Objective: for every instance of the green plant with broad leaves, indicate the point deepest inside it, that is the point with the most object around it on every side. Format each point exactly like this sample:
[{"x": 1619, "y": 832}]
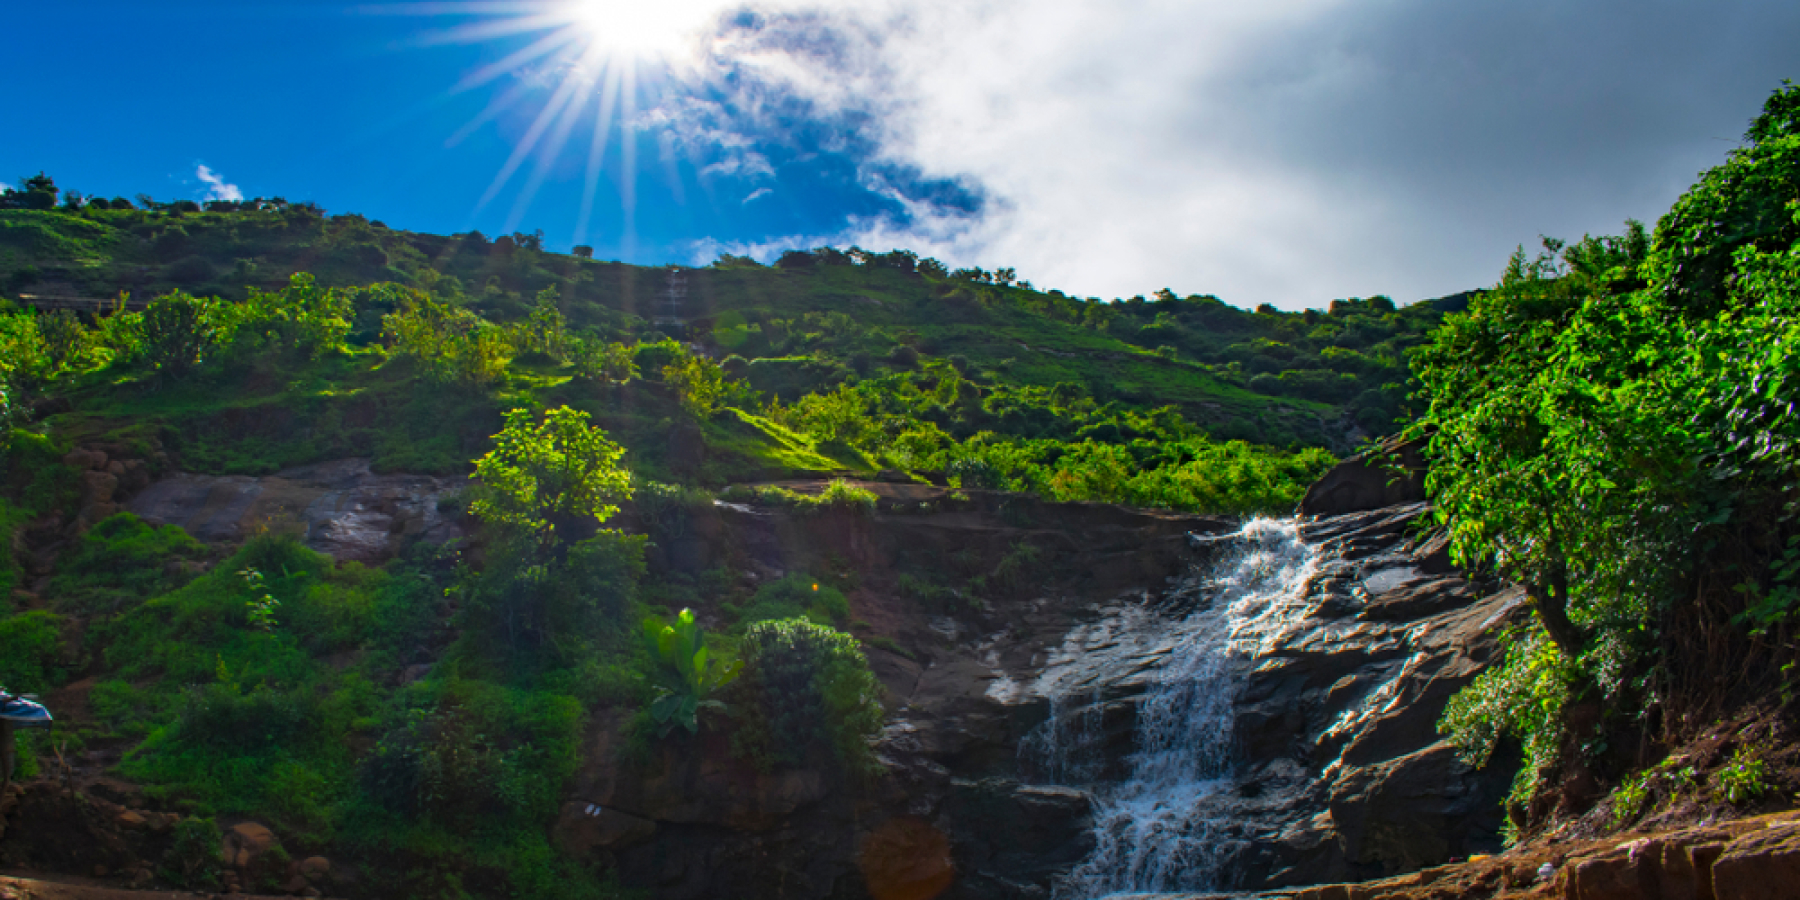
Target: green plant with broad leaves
[{"x": 686, "y": 672}]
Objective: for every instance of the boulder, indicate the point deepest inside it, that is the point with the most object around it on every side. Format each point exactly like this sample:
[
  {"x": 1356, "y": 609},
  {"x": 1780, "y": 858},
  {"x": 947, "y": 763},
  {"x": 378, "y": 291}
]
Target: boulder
[
  {"x": 1390, "y": 475},
  {"x": 343, "y": 508},
  {"x": 245, "y": 843}
]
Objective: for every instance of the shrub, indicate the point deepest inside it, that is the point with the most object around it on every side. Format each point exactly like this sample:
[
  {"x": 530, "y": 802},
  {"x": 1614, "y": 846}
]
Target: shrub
[
  {"x": 449, "y": 343},
  {"x": 810, "y": 696},
  {"x": 192, "y": 859},
  {"x": 180, "y": 332},
  {"x": 30, "y": 648}
]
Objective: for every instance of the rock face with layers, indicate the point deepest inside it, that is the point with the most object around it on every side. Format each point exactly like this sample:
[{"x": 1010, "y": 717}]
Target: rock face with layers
[{"x": 344, "y": 509}]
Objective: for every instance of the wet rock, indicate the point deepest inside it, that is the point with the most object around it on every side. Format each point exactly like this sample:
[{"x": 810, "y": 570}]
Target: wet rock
[{"x": 342, "y": 508}]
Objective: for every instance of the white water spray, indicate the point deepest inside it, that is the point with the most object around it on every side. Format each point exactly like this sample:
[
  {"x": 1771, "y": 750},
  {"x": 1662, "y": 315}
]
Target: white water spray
[{"x": 1153, "y": 831}]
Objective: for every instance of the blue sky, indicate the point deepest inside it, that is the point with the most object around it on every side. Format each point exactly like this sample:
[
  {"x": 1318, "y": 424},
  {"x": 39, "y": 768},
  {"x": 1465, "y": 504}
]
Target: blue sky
[{"x": 1288, "y": 152}]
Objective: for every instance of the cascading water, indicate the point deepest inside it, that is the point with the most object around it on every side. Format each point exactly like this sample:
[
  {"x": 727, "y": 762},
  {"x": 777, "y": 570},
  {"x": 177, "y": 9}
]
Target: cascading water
[{"x": 1153, "y": 830}]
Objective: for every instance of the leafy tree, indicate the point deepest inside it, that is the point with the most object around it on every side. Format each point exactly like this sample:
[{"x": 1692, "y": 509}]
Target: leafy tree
[
  {"x": 703, "y": 384},
  {"x": 37, "y": 192},
  {"x": 179, "y": 332},
  {"x": 450, "y": 343},
  {"x": 555, "y": 471},
  {"x": 1613, "y": 428}
]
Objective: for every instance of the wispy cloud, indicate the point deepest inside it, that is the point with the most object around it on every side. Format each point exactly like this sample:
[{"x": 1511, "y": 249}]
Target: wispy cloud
[
  {"x": 217, "y": 188},
  {"x": 758, "y": 194}
]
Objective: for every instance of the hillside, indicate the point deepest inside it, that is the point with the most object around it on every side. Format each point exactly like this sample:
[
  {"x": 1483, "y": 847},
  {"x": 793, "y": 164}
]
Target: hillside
[{"x": 814, "y": 321}]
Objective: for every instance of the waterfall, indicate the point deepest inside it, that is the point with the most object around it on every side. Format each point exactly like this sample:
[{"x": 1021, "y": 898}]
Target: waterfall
[{"x": 1154, "y": 830}]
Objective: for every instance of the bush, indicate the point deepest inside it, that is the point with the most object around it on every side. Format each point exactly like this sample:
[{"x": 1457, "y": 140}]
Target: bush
[
  {"x": 192, "y": 859},
  {"x": 809, "y": 697},
  {"x": 30, "y": 649}
]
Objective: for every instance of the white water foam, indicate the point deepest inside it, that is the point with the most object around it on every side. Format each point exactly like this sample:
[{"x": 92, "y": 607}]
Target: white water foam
[{"x": 1153, "y": 831}]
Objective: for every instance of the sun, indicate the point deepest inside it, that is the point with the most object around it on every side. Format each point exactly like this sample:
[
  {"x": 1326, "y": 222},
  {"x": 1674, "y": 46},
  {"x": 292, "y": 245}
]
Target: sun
[{"x": 665, "y": 29}]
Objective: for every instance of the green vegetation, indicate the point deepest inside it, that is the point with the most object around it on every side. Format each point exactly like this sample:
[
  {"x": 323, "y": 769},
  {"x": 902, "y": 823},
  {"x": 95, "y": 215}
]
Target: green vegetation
[
  {"x": 1613, "y": 428},
  {"x": 809, "y": 697},
  {"x": 688, "y": 673},
  {"x": 1744, "y": 779}
]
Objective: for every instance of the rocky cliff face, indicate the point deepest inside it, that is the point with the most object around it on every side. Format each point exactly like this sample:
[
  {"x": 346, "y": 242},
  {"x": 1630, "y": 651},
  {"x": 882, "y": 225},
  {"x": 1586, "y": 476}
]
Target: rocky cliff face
[{"x": 1338, "y": 772}]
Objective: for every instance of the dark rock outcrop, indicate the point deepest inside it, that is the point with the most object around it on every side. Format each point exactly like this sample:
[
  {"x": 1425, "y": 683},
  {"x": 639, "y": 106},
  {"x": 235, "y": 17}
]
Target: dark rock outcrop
[{"x": 1389, "y": 475}]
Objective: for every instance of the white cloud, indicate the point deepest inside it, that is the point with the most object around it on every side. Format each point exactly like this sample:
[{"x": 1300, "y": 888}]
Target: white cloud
[
  {"x": 1290, "y": 151},
  {"x": 758, "y": 194},
  {"x": 217, "y": 188},
  {"x": 705, "y": 250}
]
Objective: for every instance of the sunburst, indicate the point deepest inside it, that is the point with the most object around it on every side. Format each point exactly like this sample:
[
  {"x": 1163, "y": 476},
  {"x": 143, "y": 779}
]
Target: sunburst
[{"x": 577, "y": 57}]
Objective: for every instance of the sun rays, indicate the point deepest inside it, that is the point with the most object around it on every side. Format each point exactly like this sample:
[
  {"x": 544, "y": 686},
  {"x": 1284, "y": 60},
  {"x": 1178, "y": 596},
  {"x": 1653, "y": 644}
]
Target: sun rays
[{"x": 579, "y": 63}]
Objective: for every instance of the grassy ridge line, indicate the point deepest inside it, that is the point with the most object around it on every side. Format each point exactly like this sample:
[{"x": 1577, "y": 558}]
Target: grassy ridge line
[{"x": 1312, "y": 379}]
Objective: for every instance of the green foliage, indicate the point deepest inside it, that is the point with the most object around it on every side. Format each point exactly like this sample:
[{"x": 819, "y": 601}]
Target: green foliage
[
  {"x": 839, "y": 494},
  {"x": 795, "y": 596},
  {"x": 1742, "y": 780},
  {"x": 808, "y": 695},
  {"x": 1524, "y": 696},
  {"x": 260, "y": 608},
  {"x": 686, "y": 672},
  {"x": 31, "y": 651},
  {"x": 304, "y": 316},
  {"x": 1613, "y": 428},
  {"x": 703, "y": 385},
  {"x": 122, "y": 560},
  {"x": 541, "y": 473},
  {"x": 535, "y": 604},
  {"x": 180, "y": 332},
  {"x": 475, "y": 758},
  {"x": 448, "y": 343}
]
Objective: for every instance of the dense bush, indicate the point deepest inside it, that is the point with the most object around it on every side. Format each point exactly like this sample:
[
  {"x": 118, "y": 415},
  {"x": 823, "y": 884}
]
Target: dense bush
[{"x": 808, "y": 697}]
